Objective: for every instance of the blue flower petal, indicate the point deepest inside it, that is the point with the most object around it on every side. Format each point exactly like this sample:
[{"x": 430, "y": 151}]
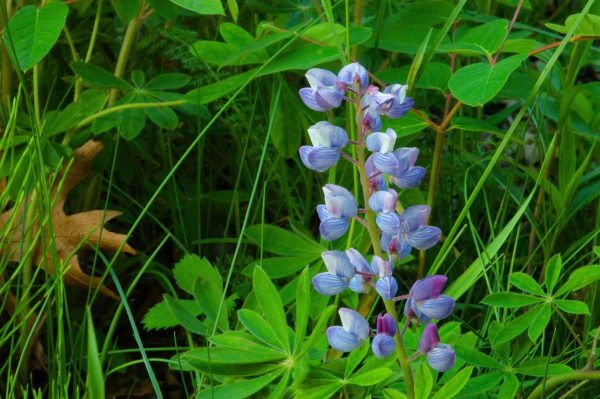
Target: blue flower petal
[
  {"x": 308, "y": 96},
  {"x": 354, "y": 322},
  {"x": 383, "y": 345},
  {"x": 389, "y": 223},
  {"x": 329, "y": 284},
  {"x": 441, "y": 358},
  {"x": 437, "y": 308},
  {"x": 358, "y": 261},
  {"x": 333, "y": 228},
  {"x": 414, "y": 217},
  {"x": 322, "y": 212},
  {"x": 400, "y": 108},
  {"x": 429, "y": 287},
  {"x": 384, "y": 201},
  {"x": 338, "y": 264},
  {"x": 329, "y": 97},
  {"x": 429, "y": 339},
  {"x": 354, "y": 72},
  {"x": 386, "y": 324},
  {"x": 320, "y": 77},
  {"x": 386, "y": 163},
  {"x": 387, "y": 287},
  {"x": 357, "y": 284},
  {"x": 342, "y": 340},
  {"x": 424, "y": 237},
  {"x": 318, "y": 158},
  {"x": 409, "y": 179}
]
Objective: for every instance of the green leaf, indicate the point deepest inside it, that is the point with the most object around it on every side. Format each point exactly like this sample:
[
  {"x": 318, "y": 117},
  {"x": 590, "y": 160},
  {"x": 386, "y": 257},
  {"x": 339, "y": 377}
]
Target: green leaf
[
  {"x": 281, "y": 266},
  {"x": 163, "y": 117},
  {"x": 510, "y": 300},
  {"x": 233, "y": 9},
  {"x": 477, "y": 84},
  {"x": 259, "y": 327},
  {"x": 287, "y": 124},
  {"x": 371, "y": 377},
  {"x": 95, "y": 379},
  {"x": 318, "y": 329},
  {"x": 580, "y": 278},
  {"x": 243, "y": 341},
  {"x": 473, "y": 125},
  {"x": 515, "y": 327},
  {"x": 126, "y": 10},
  {"x": 302, "y": 309},
  {"x": 508, "y": 390},
  {"x": 354, "y": 359},
  {"x": 526, "y": 283},
  {"x": 552, "y": 272},
  {"x": 475, "y": 357},
  {"x": 190, "y": 267},
  {"x": 407, "y": 125},
  {"x": 453, "y": 386},
  {"x": 32, "y": 32},
  {"x": 98, "y": 77},
  {"x": 389, "y": 393},
  {"x": 589, "y": 26},
  {"x": 206, "y": 7},
  {"x": 423, "y": 381},
  {"x": 168, "y": 81},
  {"x": 281, "y": 241},
  {"x": 539, "y": 322},
  {"x": 485, "y": 38},
  {"x": 161, "y": 316},
  {"x": 571, "y": 306},
  {"x": 539, "y": 367},
  {"x": 238, "y": 389},
  {"x": 482, "y": 383},
  {"x": 227, "y": 361},
  {"x": 130, "y": 123},
  {"x": 270, "y": 304},
  {"x": 185, "y": 318}
]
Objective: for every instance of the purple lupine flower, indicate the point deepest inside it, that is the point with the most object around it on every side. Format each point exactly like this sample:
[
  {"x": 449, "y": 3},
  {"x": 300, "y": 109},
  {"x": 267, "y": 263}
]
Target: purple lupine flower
[
  {"x": 386, "y": 285},
  {"x": 400, "y": 166},
  {"x": 352, "y": 73},
  {"x": 413, "y": 232},
  {"x": 425, "y": 301},
  {"x": 348, "y": 337},
  {"x": 383, "y": 344},
  {"x": 382, "y": 142},
  {"x": 340, "y": 206},
  {"x": 440, "y": 357},
  {"x": 364, "y": 271},
  {"x": 327, "y": 144},
  {"x": 400, "y": 103},
  {"x": 384, "y": 203},
  {"x": 338, "y": 275},
  {"x": 376, "y": 179},
  {"x": 324, "y": 92}
]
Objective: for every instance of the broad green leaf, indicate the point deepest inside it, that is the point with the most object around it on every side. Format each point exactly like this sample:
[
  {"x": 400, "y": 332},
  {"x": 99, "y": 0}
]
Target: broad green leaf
[
  {"x": 185, "y": 318},
  {"x": 168, "y": 81},
  {"x": 526, "y": 283},
  {"x": 405, "y": 37},
  {"x": 227, "y": 361},
  {"x": 259, "y": 327},
  {"x": 94, "y": 383},
  {"x": 423, "y": 381},
  {"x": 552, "y": 272},
  {"x": 589, "y": 26},
  {"x": 407, "y": 125},
  {"x": 520, "y": 45},
  {"x": 539, "y": 322},
  {"x": 243, "y": 341},
  {"x": 572, "y": 306},
  {"x": 539, "y": 367},
  {"x": 130, "y": 123},
  {"x": 482, "y": 383},
  {"x": 475, "y": 357},
  {"x": 98, "y": 77},
  {"x": 288, "y": 121},
  {"x": 281, "y": 266},
  {"x": 453, "y": 386},
  {"x": 354, "y": 359},
  {"x": 485, "y": 38},
  {"x": 580, "y": 278},
  {"x": 476, "y": 84},
  {"x": 371, "y": 377},
  {"x": 434, "y": 75},
  {"x": 32, "y": 32},
  {"x": 508, "y": 390},
  {"x": 270, "y": 304},
  {"x": 206, "y": 7},
  {"x": 435, "y": 12},
  {"x": 163, "y": 117},
  {"x": 302, "y": 308},
  {"x": 238, "y": 389},
  {"x": 516, "y": 326},
  {"x": 161, "y": 316},
  {"x": 281, "y": 241},
  {"x": 510, "y": 300}
]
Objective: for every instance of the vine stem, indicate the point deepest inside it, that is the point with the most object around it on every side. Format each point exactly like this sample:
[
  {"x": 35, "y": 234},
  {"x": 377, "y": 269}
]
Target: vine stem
[{"x": 369, "y": 298}]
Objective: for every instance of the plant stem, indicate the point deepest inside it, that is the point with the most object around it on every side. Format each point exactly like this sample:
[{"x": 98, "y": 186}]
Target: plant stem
[
  {"x": 128, "y": 40},
  {"x": 578, "y": 375},
  {"x": 401, "y": 353}
]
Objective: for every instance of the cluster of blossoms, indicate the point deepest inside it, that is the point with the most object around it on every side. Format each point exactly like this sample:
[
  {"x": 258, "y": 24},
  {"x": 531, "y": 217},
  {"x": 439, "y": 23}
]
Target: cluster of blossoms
[{"x": 399, "y": 230}]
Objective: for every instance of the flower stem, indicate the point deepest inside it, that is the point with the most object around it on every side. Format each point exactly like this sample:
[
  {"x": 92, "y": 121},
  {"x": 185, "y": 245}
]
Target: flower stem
[{"x": 401, "y": 353}]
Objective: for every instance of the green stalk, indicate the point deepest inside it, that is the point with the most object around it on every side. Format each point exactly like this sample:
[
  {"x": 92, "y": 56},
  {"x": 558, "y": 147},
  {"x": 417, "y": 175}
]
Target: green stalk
[{"x": 547, "y": 385}]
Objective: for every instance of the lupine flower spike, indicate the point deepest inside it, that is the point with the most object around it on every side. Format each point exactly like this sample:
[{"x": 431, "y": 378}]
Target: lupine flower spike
[{"x": 425, "y": 301}]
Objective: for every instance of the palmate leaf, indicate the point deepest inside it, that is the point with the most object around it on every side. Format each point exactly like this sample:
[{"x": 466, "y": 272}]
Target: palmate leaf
[
  {"x": 510, "y": 300},
  {"x": 269, "y": 302},
  {"x": 526, "y": 283},
  {"x": 451, "y": 388},
  {"x": 423, "y": 381},
  {"x": 539, "y": 321},
  {"x": 552, "y": 272},
  {"x": 239, "y": 389}
]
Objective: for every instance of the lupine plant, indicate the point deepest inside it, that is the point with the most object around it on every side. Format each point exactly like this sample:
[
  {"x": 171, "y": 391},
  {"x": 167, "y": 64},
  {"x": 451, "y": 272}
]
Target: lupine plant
[{"x": 393, "y": 230}]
